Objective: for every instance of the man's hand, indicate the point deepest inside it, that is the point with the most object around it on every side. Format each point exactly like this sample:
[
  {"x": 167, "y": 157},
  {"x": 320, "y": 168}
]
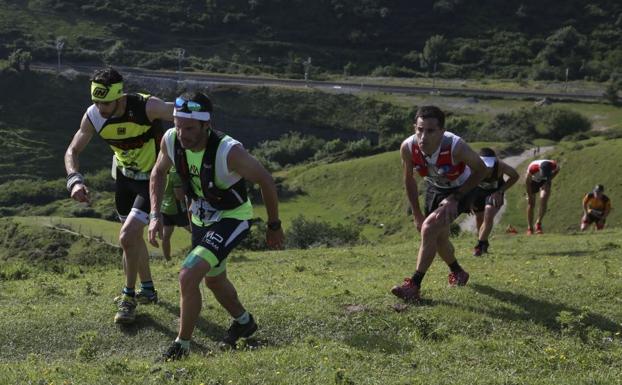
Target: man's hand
[
  {"x": 447, "y": 210},
  {"x": 80, "y": 193},
  {"x": 496, "y": 199},
  {"x": 274, "y": 238},
  {"x": 155, "y": 228}
]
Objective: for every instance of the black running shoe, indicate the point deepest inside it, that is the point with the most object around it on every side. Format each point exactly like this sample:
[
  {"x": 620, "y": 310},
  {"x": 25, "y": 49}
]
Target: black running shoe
[
  {"x": 175, "y": 352},
  {"x": 237, "y": 331}
]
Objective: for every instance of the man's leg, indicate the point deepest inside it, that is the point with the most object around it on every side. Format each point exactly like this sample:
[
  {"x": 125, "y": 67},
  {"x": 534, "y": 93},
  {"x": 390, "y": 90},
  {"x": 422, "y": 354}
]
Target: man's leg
[
  {"x": 457, "y": 276},
  {"x": 489, "y": 220},
  {"x": 190, "y": 301},
  {"x": 135, "y": 255},
  {"x": 479, "y": 221},
  {"x": 430, "y": 231},
  {"x": 584, "y": 222},
  {"x": 545, "y": 193},
  {"x": 531, "y": 201},
  {"x": 600, "y": 224},
  {"x": 225, "y": 294}
]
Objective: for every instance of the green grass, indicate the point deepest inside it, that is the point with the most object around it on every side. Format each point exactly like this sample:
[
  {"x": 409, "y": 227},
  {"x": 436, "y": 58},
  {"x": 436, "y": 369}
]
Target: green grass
[{"x": 538, "y": 310}]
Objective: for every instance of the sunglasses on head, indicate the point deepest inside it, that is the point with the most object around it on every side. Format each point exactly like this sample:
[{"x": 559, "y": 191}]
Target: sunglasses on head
[{"x": 182, "y": 104}]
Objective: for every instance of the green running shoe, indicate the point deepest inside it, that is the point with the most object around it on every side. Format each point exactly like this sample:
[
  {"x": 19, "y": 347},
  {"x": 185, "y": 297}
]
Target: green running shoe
[
  {"x": 127, "y": 310},
  {"x": 146, "y": 297}
]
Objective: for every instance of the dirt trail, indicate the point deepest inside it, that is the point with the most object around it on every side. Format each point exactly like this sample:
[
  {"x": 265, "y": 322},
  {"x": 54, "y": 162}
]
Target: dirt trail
[{"x": 468, "y": 223}]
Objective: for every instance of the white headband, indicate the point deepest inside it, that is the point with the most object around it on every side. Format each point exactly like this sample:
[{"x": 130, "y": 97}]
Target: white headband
[
  {"x": 489, "y": 161},
  {"x": 198, "y": 115}
]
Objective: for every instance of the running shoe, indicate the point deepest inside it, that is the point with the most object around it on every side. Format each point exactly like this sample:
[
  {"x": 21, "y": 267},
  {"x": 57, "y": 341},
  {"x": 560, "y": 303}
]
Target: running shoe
[
  {"x": 478, "y": 251},
  {"x": 407, "y": 291},
  {"x": 175, "y": 352},
  {"x": 238, "y": 330},
  {"x": 127, "y": 310},
  {"x": 458, "y": 279},
  {"x": 146, "y": 297},
  {"x": 539, "y": 228}
]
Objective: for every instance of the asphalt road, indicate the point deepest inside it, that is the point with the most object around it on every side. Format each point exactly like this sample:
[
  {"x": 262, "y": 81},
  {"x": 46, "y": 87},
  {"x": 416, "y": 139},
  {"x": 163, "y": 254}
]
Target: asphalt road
[{"x": 330, "y": 85}]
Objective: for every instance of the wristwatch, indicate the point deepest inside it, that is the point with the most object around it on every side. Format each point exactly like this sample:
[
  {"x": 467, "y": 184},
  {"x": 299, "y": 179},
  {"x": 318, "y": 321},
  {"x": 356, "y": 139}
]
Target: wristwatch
[{"x": 274, "y": 225}]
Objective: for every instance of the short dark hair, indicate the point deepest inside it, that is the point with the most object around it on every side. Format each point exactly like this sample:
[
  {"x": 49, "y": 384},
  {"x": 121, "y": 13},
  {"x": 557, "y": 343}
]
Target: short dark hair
[
  {"x": 107, "y": 76},
  {"x": 487, "y": 151},
  {"x": 547, "y": 168},
  {"x": 599, "y": 188},
  {"x": 427, "y": 112},
  {"x": 201, "y": 98}
]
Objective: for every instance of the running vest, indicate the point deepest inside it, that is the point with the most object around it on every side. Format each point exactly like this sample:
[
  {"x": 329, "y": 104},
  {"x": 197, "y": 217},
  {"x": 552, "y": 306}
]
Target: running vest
[
  {"x": 534, "y": 169},
  {"x": 220, "y": 199},
  {"x": 494, "y": 181},
  {"x": 443, "y": 172},
  {"x": 595, "y": 206},
  {"x": 134, "y": 139}
]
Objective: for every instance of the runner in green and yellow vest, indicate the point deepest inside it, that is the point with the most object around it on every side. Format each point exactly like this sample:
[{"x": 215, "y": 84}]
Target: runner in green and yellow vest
[
  {"x": 213, "y": 168},
  {"x": 131, "y": 125}
]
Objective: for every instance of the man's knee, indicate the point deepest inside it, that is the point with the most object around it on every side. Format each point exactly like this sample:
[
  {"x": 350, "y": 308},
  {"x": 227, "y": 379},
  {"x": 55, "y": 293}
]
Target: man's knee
[
  {"x": 188, "y": 281},
  {"x": 129, "y": 237}
]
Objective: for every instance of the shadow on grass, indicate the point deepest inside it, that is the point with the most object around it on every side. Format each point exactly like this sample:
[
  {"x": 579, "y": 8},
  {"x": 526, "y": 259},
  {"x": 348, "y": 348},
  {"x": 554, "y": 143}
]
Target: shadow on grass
[
  {"x": 213, "y": 331},
  {"x": 146, "y": 321},
  {"x": 537, "y": 310}
]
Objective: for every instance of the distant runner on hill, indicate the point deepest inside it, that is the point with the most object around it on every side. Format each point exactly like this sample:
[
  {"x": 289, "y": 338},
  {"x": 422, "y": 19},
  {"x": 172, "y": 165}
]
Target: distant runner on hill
[
  {"x": 538, "y": 178},
  {"x": 596, "y": 208},
  {"x": 489, "y": 195},
  {"x": 130, "y": 124},
  {"x": 451, "y": 170}
]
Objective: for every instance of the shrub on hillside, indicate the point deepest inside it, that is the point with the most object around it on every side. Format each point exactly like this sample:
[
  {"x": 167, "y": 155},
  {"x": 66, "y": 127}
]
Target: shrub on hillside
[
  {"x": 305, "y": 233},
  {"x": 291, "y": 148},
  {"x": 555, "y": 123},
  {"x": 35, "y": 192}
]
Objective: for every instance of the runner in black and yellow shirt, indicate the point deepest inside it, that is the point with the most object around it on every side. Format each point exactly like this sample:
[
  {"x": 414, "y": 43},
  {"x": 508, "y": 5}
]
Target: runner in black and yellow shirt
[
  {"x": 596, "y": 208},
  {"x": 130, "y": 124}
]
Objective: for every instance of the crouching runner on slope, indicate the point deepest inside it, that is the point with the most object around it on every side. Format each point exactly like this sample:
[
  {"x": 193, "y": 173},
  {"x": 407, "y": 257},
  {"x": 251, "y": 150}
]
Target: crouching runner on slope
[
  {"x": 213, "y": 169},
  {"x": 451, "y": 170}
]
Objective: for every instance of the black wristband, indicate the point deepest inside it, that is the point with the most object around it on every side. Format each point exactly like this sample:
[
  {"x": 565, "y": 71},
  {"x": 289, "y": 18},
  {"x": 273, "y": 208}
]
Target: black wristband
[
  {"x": 73, "y": 179},
  {"x": 274, "y": 225}
]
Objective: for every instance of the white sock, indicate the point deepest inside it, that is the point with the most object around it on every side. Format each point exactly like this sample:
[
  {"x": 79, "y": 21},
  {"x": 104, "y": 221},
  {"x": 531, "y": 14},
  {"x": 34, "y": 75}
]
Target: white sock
[
  {"x": 184, "y": 343},
  {"x": 244, "y": 318}
]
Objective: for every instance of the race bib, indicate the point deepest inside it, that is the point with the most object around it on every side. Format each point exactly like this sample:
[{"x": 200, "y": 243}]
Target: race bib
[{"x": 202, "y": 210}]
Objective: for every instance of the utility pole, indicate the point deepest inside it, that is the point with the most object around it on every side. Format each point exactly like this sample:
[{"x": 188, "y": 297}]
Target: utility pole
[
  {"x": 180, "y": 56},
  {"x": 566, "y": 83},
  {"x": 434, "y": 78},
  {"x": 60, "y": 43},
  {"x": 307, "y": 66}
]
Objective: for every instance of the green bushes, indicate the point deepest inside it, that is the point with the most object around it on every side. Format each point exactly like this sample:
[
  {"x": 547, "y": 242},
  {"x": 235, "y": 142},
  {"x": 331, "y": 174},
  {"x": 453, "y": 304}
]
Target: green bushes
[
  {"x": 305, "y": 233},
  {"x": 539, "y": 122}
]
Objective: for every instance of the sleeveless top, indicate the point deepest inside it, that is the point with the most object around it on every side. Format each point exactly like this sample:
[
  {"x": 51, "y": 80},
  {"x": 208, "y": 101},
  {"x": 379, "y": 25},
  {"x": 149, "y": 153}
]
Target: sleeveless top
[{"x": 439, "y": 169}]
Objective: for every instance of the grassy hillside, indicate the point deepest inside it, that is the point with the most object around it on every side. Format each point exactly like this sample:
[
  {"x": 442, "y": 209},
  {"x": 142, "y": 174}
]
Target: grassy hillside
[
  {"x": 583, "y": 165},
  {"x": 540, "y": 310}
]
